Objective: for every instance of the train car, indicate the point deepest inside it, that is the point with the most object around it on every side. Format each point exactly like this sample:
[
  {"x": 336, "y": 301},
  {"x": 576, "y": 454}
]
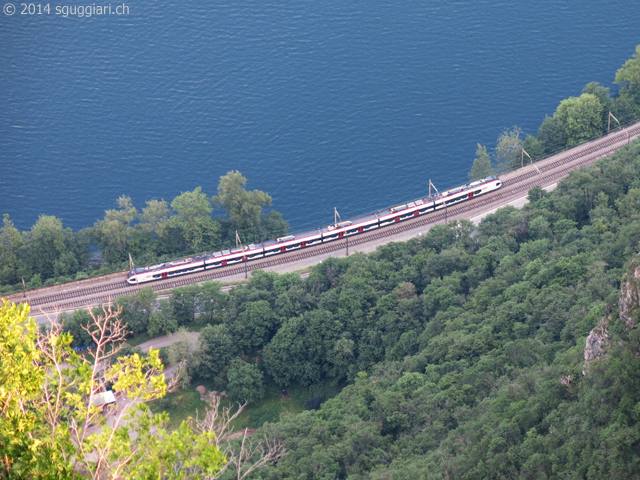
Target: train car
[
  {"x": 234, "y": 255},
  {"x": 347, "y": 228},
  {"x": 166, "y": 270},
  {"x": 296, "y": 241},
  {"x": 436, "y": 202},
  {"x": 309, "y": 238}
]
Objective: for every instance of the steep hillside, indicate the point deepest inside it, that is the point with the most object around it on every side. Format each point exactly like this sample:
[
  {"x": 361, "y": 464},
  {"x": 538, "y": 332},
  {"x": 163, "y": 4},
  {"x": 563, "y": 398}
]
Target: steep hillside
[{"x": 464, "y": 353}]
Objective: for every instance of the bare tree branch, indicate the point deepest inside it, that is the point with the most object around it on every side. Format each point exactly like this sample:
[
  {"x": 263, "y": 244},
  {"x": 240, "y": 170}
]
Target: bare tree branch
[{"x": 250, "y": 455}]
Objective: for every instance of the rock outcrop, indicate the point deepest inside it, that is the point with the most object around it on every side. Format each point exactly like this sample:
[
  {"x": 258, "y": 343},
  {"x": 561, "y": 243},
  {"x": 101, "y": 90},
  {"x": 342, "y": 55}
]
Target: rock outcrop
[
  {"x": 628, "y": 311},
  {"x": 597, "y": 340},
  {"x": 629, "y": 304}
]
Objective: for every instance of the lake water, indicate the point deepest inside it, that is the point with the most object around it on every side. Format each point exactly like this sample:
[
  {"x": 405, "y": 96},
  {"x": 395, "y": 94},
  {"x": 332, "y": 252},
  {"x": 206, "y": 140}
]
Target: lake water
[{"x": 348, "y": 104}]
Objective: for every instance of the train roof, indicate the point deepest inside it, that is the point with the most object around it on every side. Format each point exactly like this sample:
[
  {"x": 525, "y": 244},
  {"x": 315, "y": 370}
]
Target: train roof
[
  {"x": 291, "y": 237},
  {"x": 173, "y": 263}
]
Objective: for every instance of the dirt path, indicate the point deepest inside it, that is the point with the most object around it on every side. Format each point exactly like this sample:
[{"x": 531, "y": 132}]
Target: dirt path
[{"x": 166, "y": 340}]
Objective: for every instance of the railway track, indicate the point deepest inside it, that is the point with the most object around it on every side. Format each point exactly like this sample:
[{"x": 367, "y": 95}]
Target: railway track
[{"x": 515, "y": 185}]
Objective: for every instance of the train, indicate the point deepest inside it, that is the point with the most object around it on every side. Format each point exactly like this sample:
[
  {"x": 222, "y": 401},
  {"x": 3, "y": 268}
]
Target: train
[{"x": 308, "y": 238}]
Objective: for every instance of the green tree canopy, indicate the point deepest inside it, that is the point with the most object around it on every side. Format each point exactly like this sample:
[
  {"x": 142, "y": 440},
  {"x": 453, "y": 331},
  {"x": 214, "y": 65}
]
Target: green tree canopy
[
  {"x": 115, "y": 232},
  {"x": 509, "y": 148},
  {"x": 215, "y": 350},
  {"x": 243, "y": 208},
  {"x": 193, "y": 218},
  {"x": 51, "y": 250},
  {"x": 154, "y": 217},
  {"x": 552, "y": 134},
  {"x": 137, "y": 308},
  {"x": 10, "y": 242},
  {"x": 245, "y": 381},
  {"x": 245, "y": 211},
  {"x": 51, "y": 426},
  {"x": 629, "y": 73},
  {"x": 581, "y": 117},
  {"x": 481, "y": 165},
  {"x": 603, "y": 94}
]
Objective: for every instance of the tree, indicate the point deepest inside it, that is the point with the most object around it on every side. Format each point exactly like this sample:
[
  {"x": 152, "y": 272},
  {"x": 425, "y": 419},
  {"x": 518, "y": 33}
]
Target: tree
[
  {"x": 21, "y": 379},
  {"x": 179, "y": 353},
  {"x": 184, "y": 303},
  {"x": 160, "y": 323},
  {"x": 154, "y": 216},
  {"x": 137, "y": 308},
  {"x": 534, "y": 147},
  {"x": 193, "y": 218},
  {"x": 180, "y": 350},
  {"x": 51, "y": 250},
  {"x": 628, "y": 100},
  {"x": 552, "y": 135},
  {"x": 254, "y": 326},
  {"x": 246, "y": 454},
  {"x": 50, "y": 425},
  {"x": 629, "y": 204},
  {"x": 629, "y": 74},
  {"x": 509, "y": 148},
  {"x": 481, "y": 165},
  {"x": 76, "y": 324},
  {"x": 581, "y": 117},
  {"x": 244, "y": 210},
  {"x": 299, "y": 351},
  {"x": 215, "y": 350},
  {"x": 210, "y": 301},
  {"x": 603, "y": 94},
  {"x": 10, "y": 242},
  {"x": 245, "y": 381},
  {"x": 535, "y": 194},
  {"x": 115, "y": 232}
]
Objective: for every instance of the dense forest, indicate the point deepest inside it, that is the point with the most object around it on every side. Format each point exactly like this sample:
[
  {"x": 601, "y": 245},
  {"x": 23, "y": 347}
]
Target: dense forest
[
  {"x": 466, "y": 350},
  {"x": 459, "y": 354}
]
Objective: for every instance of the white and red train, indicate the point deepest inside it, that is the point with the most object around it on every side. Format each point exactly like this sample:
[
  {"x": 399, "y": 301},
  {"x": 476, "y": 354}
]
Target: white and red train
[{"x": 355, "y": 226}]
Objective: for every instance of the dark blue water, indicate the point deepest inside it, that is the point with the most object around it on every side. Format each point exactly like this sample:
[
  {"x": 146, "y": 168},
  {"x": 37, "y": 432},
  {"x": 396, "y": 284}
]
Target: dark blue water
[{"x": 353, "y": 104}]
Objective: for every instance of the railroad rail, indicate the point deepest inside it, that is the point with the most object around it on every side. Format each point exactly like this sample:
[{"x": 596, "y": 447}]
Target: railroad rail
[{"x": 515, "y": 185}]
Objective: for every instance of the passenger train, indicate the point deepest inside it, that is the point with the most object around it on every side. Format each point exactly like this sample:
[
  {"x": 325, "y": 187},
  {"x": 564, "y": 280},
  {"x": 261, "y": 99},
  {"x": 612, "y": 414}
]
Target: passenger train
[{"x": 335, "y": 231}]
